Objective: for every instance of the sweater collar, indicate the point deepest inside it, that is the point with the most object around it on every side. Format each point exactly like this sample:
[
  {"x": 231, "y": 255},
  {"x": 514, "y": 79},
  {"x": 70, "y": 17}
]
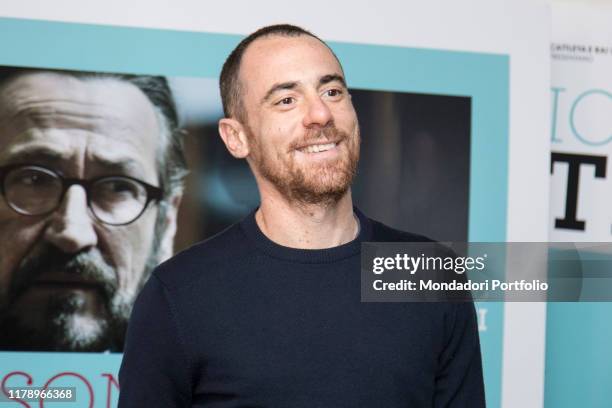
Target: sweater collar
[{"x": 312, "y": 256}]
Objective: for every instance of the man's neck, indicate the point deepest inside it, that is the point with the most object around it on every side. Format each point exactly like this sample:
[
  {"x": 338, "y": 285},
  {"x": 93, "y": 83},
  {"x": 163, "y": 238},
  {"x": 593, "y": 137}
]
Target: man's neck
[{"x": 308, "y": 226}]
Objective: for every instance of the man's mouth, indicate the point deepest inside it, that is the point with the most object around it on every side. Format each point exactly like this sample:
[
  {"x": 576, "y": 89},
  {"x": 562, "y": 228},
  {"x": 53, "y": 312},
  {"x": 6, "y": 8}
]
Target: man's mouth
[
  {"x": 64, "y": 281},
  {"x": 317, "y": 148},
  {"x": 65, "y": 285}
]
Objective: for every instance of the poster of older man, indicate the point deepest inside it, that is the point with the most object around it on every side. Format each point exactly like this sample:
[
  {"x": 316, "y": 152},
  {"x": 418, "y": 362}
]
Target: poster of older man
[{"x": 90, "y": 176}]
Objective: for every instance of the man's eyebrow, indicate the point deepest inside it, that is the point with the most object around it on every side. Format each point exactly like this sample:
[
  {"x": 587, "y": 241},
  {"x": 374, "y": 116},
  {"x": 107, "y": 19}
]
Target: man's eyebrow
[
  {"x": 325, "y": 79},
  {"x": 35, "y": 154},
  {"x": 278, "y": 87},
  {"x": 124, "y": 165},
  {"x": 44, "y": 155}
]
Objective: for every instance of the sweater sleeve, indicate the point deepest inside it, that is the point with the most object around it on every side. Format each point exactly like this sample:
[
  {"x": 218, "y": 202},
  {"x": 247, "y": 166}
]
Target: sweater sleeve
[
  {"x": 459, "y": 381},
  {"x": 154, "y": 370}
]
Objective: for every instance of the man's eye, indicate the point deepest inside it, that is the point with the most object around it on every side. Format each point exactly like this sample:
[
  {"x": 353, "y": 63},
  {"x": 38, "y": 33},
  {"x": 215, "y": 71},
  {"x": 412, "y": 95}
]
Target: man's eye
[
  {"x": 115, "y": 188},
  {"x": 120, "y": 186},
  {"x": 35, "y": 179},
  {"x": 333, "y": 92},
  {"x": 285, "y": 101}
]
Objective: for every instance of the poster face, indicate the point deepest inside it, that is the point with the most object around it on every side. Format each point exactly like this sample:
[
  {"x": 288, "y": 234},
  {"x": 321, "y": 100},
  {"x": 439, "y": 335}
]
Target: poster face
[{"x": 67, "y": 293}]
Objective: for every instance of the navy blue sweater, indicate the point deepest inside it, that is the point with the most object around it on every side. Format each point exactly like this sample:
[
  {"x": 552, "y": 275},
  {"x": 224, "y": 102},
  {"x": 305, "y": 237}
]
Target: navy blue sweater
[{"x": 239, "y": 321}]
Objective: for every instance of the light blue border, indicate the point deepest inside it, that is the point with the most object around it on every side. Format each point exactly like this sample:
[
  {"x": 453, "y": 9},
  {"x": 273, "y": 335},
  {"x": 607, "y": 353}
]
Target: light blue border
[
  {"x": 578, "y": 355},
  {"x": 482, "y": 77}
]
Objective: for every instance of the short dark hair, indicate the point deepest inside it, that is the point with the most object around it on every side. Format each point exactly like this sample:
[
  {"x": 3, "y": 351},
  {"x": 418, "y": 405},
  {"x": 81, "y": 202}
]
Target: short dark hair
[
  {"x": 229, "y": 82},
  {"x": 171, "y": 163}
]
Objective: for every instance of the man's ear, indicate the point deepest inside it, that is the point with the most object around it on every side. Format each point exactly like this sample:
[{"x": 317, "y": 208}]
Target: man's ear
[
  {"x": 166, "y": 243},
  {"x": 234, "y": 136}
]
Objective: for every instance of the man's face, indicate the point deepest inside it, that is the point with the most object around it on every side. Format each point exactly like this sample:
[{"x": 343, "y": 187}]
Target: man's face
[
  {"x": 300, "y": 121},
  {"x": 67, "y": 281}
]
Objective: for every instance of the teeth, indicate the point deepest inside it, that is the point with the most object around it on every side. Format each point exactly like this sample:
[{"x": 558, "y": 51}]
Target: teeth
[{"x": 319, "y": 148}]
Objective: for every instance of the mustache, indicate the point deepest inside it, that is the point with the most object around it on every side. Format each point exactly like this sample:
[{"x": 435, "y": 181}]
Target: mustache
[
  {"x": 329, "y": 132},
  {"x": 87, "y": 267}
]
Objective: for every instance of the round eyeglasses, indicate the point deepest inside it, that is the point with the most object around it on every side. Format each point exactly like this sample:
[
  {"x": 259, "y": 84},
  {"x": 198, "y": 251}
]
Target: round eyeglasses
[{"x": 113, "y": 200}]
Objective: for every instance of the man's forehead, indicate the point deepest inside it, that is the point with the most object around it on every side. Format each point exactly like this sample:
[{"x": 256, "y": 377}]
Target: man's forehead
[
  {"x": 39, "y": 94},
  {"x": 57, "y": 152},
  {"x": 279, "y": 57},
  {"x": 67, "y": 115}
]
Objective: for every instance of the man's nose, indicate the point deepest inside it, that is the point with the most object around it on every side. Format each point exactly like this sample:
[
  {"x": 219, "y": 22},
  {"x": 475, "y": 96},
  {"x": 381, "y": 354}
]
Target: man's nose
[
  {"x": 71, "y": 228},
  {"x": 318, "y": 113}
]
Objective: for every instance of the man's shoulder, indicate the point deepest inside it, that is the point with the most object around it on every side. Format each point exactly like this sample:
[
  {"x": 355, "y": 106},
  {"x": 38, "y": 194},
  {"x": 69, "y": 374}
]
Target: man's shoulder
[
  {"x": 209, "y": 255},
  {"x": 384, "y": 233}
]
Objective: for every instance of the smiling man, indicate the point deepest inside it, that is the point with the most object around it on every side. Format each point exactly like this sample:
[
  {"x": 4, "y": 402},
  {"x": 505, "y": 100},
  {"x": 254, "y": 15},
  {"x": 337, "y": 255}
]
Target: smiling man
[
  {"x": 90, "y": 169},
  {"x": 268, "y": 313}
]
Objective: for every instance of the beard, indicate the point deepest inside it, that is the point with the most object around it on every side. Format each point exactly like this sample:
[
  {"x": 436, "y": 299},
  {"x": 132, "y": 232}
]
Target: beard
[
  {"x": 322, "y": 183},
  {"x": 57, "y": 321}
]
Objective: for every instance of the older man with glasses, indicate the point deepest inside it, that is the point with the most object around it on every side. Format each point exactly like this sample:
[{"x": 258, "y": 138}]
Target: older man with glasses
[{"x": 90, "y": 178}]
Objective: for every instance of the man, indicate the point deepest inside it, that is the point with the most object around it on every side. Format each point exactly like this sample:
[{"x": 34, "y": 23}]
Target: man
[
  {"x": 268, "y": 313},
  {"x": 90, "y": 173}
]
